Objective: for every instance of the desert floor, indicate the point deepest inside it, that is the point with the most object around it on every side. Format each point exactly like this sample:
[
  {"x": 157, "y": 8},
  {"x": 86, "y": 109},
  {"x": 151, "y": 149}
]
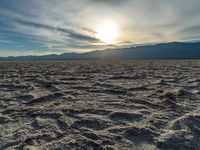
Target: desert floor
[{"x": 136, "y": 105}]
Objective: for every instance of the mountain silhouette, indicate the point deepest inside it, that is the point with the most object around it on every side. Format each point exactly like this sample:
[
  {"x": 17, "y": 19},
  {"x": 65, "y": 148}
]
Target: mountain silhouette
[{"x": 173, "y": 50}]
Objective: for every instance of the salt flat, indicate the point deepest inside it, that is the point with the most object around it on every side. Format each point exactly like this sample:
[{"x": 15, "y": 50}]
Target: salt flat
[{"x": 136, "y": 105}]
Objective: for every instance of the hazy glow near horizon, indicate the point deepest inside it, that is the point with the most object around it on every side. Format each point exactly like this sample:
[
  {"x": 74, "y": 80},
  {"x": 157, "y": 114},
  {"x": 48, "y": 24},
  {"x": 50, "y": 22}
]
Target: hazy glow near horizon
[{"x": 108, "y": 32}]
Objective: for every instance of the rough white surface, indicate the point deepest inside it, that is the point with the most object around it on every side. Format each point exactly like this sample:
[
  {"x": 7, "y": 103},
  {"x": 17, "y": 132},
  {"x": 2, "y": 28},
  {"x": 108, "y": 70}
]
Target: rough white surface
[{"x": 141, "y": 105}]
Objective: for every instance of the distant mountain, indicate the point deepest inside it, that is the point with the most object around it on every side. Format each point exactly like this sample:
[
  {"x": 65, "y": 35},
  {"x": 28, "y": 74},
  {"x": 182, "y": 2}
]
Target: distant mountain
[{"x": 174, "y": 50}]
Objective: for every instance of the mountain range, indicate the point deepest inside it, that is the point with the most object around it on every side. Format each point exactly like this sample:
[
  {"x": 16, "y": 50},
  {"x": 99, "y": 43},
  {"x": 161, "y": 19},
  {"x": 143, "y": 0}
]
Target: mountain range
[{"x": 173, "y": 50}]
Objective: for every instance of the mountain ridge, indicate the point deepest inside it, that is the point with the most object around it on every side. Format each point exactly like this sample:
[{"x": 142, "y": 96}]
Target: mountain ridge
[{"x": 172, "y": 50}]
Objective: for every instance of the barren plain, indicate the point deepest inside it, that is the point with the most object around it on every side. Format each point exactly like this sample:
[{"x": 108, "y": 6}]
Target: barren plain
[{"x": 100, "y": 105}]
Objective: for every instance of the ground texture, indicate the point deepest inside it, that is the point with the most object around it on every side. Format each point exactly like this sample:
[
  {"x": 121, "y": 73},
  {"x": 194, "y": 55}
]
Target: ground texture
[{"x": 100, "y": 105}]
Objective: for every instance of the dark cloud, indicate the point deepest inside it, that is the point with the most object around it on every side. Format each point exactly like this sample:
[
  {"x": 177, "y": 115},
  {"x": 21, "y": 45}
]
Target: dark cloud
[
  {"x": 89, "y": 30},
  {"x": 14, "y": 7},
  {"x": 190, "y": 30},
  {"x": 70, "y": 33},
  {"x": 78, "y": 36},
  {"x": 109, "y": 2}
]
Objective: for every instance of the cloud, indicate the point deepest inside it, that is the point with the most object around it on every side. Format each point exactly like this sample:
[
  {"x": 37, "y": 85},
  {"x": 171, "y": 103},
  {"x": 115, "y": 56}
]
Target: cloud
[
  {"x": 190, "y": 30},
  {"x": 62, "y": 25},
  {"x": 109, "y": 2},
  {"x": 5, "y": 41},
  {"x": 70, "y": 33}
]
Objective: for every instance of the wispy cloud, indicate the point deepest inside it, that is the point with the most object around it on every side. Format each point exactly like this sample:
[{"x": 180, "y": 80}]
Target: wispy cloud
[
  {"x": 5, "y": 41},
  {"x": 63, "y": 26}
]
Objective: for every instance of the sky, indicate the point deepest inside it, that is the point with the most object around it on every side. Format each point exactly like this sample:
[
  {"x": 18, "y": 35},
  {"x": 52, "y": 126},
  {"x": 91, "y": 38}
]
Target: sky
[{"x": 40, "y": 27}]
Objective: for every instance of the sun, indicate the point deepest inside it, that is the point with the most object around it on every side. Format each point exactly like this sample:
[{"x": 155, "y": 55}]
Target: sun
[{"x": 108, "y": 32}]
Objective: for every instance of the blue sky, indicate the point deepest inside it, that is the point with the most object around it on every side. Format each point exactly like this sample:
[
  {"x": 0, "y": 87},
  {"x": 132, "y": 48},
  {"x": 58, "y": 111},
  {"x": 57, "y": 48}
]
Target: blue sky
[{"x": 37, "y": 27}]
